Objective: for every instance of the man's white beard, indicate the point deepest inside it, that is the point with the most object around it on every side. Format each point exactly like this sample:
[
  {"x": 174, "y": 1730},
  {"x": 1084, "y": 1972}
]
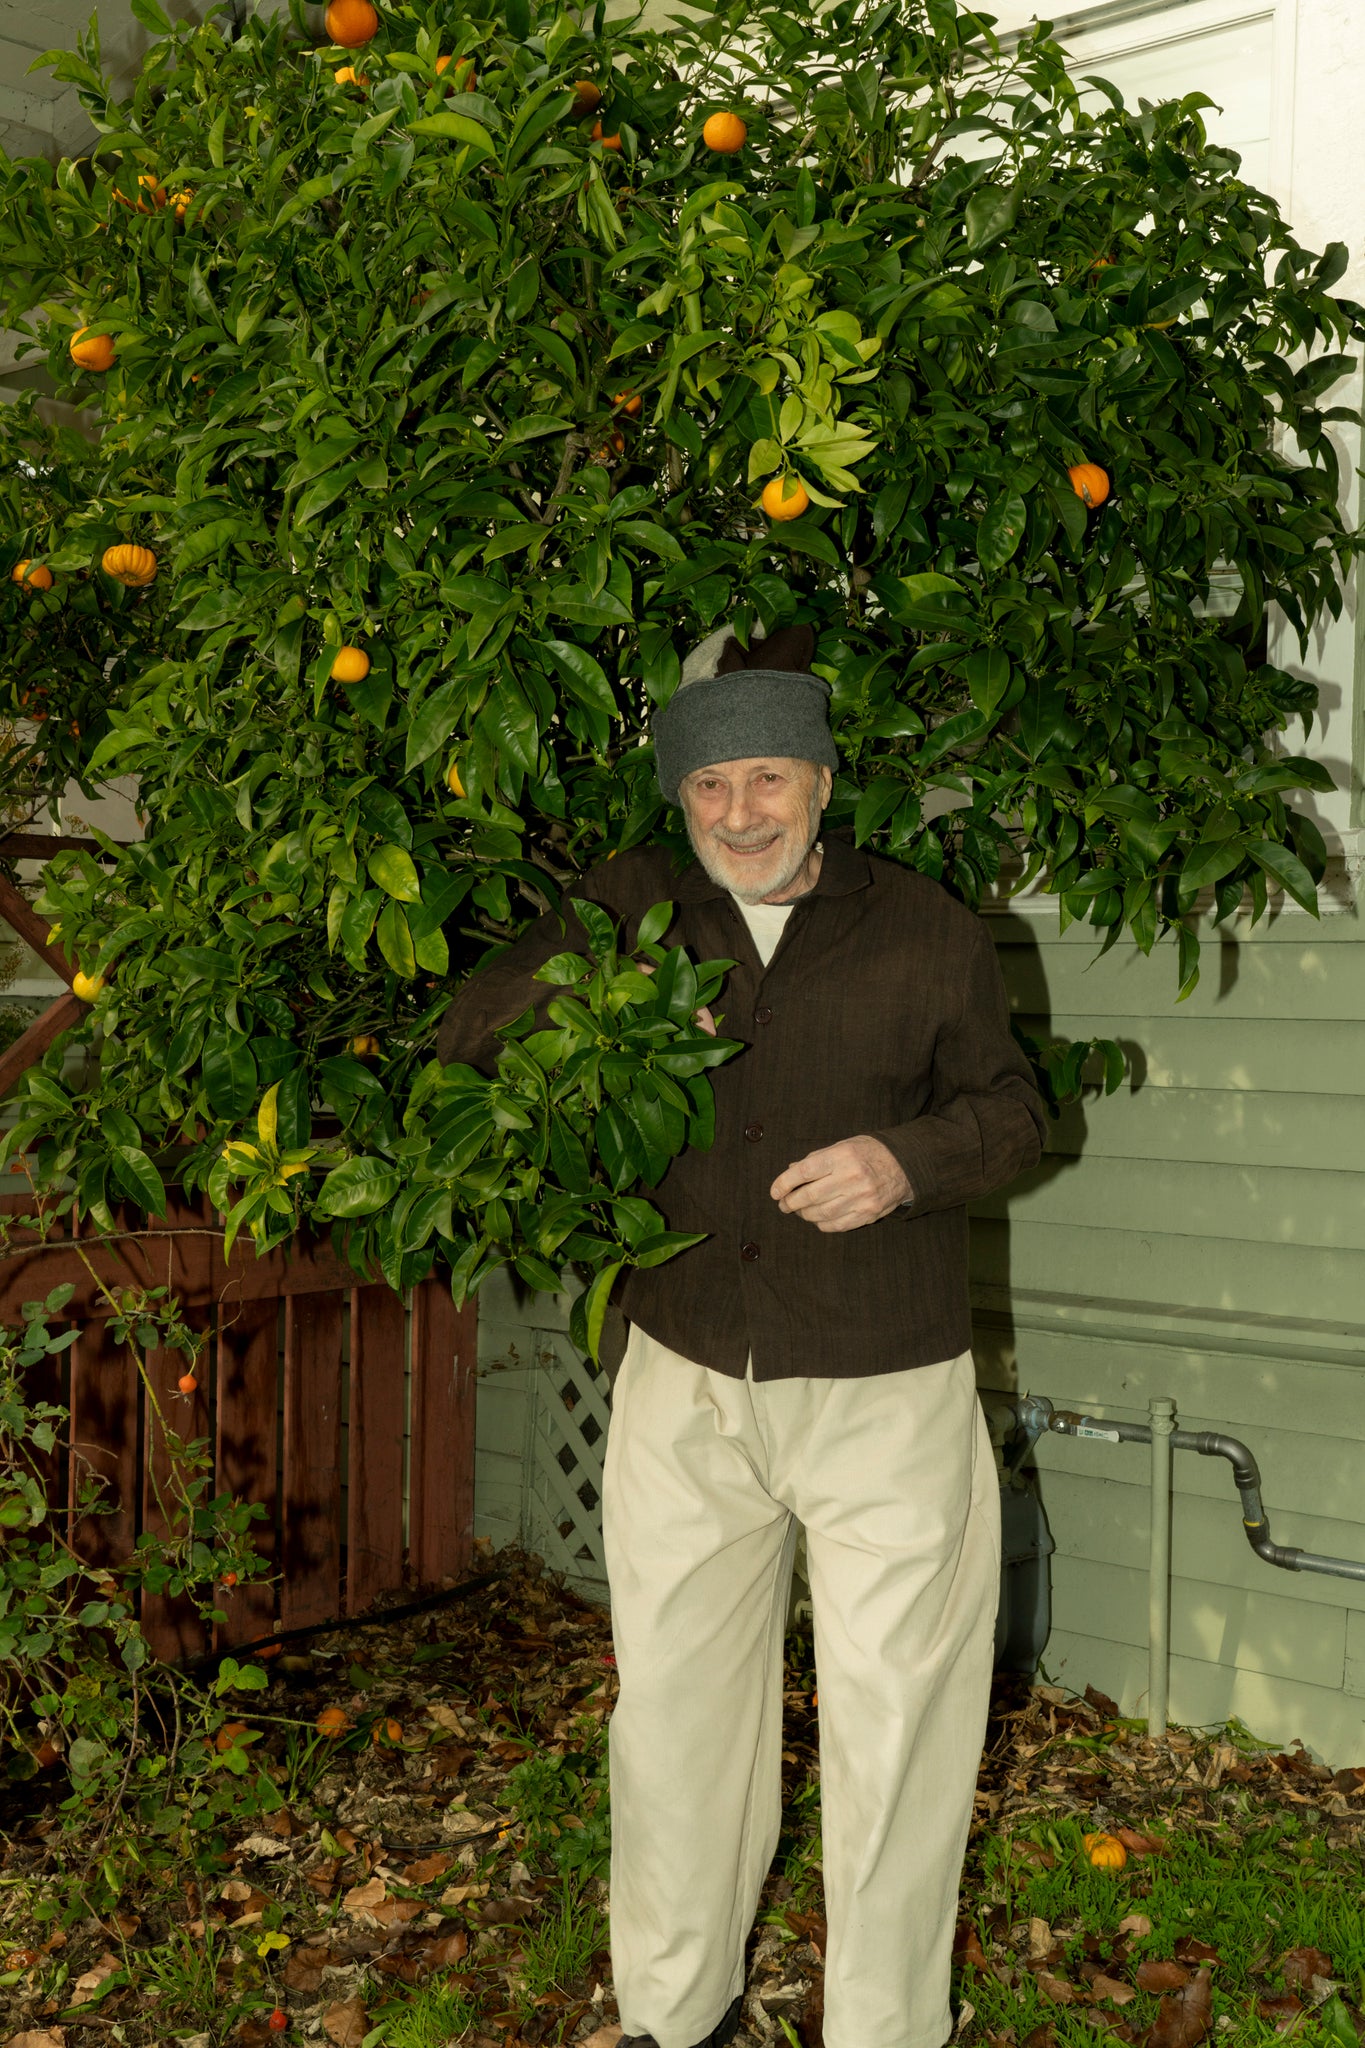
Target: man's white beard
[{"x": 711, "y": 854}]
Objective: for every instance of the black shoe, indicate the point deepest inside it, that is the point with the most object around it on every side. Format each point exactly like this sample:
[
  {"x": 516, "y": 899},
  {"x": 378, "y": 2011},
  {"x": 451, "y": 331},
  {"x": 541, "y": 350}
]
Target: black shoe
[{"x": 720, "y": 2036}]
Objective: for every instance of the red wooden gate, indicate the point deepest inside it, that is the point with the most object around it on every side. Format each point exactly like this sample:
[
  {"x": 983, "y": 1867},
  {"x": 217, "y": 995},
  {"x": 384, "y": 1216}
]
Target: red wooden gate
[{"x": 346, "y": 1412}]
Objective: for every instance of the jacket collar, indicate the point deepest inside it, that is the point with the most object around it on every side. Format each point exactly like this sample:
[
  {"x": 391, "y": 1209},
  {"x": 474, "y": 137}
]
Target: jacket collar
[{"x": 843, "y": 870}]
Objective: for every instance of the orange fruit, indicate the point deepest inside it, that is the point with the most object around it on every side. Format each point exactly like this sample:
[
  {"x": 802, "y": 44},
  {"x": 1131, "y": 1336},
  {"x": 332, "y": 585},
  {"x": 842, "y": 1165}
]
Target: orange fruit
[
  {"x": 465, "y": 79},
  {"x": 347, "y": 76},
  {"x": 187, "y": 1383},
  {"x": 229, "y": 1578},
  {"x": 587, "y": 98},
  {"x": 725, "y": 133},
  {"x": 386, "y": 1731},
  {"x": 33, "y": 575},
  {"x": 228, "y": 1734},
  {"x": 612, "y": 446},
  {"x": 94, "y": 353},
  {"x": 130, "y": 565},
  {"x": 181, "y": 201},
  {"x": 331, "y": 1721},
  {"x": 453, "y": 782},
  {"x": 785, "y": 498},
  {"x": 607, "y": 141},
  {"x": 365, "y": 1046},
  {"x": 1089, "y": 482},
  {"x": 627, "y": 401},
  {"x": 148, "y": 188},
  {"x": 86, "y": 986},
  {"x": 351, "y": 665},
  {"x": 350, "y": 23}
]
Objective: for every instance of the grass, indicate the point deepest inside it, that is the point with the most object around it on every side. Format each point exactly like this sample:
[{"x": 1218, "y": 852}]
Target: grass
[
  {"x": 431, "y": 2018},
  {"x": 561, "y": 1949},
  {"x": 1251, "y": 1894}
]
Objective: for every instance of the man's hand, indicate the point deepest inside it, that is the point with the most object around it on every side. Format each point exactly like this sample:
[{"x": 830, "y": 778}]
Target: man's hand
[{"x": 842, "y": 1186}]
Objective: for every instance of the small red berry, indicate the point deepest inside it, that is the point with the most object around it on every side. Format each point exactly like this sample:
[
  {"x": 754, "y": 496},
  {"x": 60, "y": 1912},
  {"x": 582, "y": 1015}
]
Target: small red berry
[
  {"x": 187, "y": 1382},
  {"x": 229, "y": 1578},
  {"x": 279, "y": 2020}
]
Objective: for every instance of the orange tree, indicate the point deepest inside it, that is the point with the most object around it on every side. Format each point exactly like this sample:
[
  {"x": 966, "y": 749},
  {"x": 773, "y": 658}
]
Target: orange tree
[{"x": 460, "y": 378}]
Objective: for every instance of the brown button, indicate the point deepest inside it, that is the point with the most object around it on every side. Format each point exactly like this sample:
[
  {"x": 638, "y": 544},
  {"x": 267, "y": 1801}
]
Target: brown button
[
  {"x": 763, "y": 1015},
  {"x": 749, "y": 1252},
  {"x": 753, "y": 1132}
]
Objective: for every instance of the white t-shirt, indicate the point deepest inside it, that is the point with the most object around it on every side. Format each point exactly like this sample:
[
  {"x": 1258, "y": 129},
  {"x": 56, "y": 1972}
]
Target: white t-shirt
[{"x": 766, "y": 922}]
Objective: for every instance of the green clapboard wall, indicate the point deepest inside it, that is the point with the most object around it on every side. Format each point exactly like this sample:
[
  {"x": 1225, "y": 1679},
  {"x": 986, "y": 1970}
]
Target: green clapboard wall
[{"x": 1201, "y": 1234}]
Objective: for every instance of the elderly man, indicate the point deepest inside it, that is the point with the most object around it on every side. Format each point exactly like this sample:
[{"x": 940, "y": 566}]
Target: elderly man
[{"x": 808, "y": 1362}]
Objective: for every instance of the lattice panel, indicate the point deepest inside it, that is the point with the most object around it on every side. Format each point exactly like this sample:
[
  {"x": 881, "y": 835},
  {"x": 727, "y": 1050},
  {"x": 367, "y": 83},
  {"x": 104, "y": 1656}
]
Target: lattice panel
[
  {"x": 568, "y": 1442},
  {"x": 562, "y": 1504}
]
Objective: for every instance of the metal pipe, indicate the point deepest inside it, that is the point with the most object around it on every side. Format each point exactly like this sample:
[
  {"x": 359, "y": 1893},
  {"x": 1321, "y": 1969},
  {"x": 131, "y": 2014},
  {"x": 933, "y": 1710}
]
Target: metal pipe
[
  {"x": 1038, "y": 1417},
  {"x": 1162, "y": 1411}
]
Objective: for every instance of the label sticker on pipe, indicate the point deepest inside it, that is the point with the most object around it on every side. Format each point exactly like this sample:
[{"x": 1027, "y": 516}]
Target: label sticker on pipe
[{"x": 1108, "y": 1436}]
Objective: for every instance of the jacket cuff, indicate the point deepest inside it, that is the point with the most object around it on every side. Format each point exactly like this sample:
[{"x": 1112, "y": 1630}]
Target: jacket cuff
[{"x": 911, "y": 1154}]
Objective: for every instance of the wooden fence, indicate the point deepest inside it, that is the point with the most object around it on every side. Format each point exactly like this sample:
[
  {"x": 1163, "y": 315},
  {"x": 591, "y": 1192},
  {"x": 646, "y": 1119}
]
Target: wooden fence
[
  {"x": 347, "y": 1412},
  {"x": 314, "y": 1393}
]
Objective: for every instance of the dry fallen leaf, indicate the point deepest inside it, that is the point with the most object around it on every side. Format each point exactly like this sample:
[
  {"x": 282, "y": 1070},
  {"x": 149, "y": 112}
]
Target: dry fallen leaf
[
  {"x": 1136, "y": 1924},
  {"x": 446, "y": 1717},
  {"x": 501, "y": 1912},
  {"x": 263, "y": 1847},
  {"x": 346, "y": 2023},
  {"x": 1155, "y": 1976},
  {"x": 966, "y": 1944},
  {"x": 40, "y": 2037},
  {"x": 1302, "y": 1965},
  {"x": 1185, "y": 2016},
  {"x": 1140, "y": 1845},
  {"x": 456, "y": 1894},
  {"x": 303, "y": 1972},
  {"x": 396, "y": 1912},
  {"x": 1040, "y": 1937},
  {"x": 88, "y": 1983},
  {"x": 1190, "y": 1949},
  {"x": 446, "y": 1950},
  {"x": 1110, "y": 1988},
  {"x": 1055, "y": 1989},
  {"x": 427, "y": 1869},
  {"x": 363, "y": 1898},
  {"x": 1282, "y": 2008},
  {"x": 605, "y": 2037}
]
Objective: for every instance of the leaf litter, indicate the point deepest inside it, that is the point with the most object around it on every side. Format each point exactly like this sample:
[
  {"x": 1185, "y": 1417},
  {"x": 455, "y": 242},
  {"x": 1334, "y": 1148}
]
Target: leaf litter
[{"x": 421, "y": 1867}]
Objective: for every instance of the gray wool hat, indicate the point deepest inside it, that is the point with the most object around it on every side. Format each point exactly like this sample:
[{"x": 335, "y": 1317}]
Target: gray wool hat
[{"x": 732, "y": 704}]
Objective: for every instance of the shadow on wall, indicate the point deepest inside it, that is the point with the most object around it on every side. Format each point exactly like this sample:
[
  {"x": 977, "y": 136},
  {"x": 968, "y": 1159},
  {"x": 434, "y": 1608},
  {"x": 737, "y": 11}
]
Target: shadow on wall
[{"x": 992, "y": 1290}]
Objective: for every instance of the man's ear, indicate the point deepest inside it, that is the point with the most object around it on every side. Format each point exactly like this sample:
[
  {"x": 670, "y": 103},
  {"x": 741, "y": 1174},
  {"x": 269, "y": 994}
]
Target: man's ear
[{"x": 826, "y": 785}]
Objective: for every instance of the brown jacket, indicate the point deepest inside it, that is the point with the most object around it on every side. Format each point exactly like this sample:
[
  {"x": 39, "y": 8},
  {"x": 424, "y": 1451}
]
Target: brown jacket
[{"x": 883, "y": 1013}]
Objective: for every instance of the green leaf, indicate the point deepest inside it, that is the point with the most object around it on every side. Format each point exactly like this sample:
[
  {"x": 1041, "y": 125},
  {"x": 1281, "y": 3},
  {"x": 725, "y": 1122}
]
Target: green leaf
[
  {"x": 358, "y": 1187},
  {"x": 393, "y": 869},
  {"x": 595, "y": 1307},
  {"x": 875, "y": 806},
  {"x": 138, "y": 1177},
  {"x": 584, "y": 675},
  {"x": 1000, "y": 530},
  {"x": 1288, "y": 870},
  {"x": 394, "y": 939},
  {"x": 988, "y": 678},
  {"x": 454, "y": 128},
  {"x": 990, "y": 214},
  {"x": 654, "y": 924}
]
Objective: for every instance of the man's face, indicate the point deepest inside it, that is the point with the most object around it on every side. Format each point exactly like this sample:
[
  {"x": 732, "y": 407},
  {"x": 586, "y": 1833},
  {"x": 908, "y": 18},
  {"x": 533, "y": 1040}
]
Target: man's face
[{"x": 753, "y": 823}]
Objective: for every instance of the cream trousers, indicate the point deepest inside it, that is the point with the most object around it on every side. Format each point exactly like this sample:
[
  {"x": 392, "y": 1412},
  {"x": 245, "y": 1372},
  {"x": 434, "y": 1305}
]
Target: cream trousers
[{"x": 706, "y": 1478}]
